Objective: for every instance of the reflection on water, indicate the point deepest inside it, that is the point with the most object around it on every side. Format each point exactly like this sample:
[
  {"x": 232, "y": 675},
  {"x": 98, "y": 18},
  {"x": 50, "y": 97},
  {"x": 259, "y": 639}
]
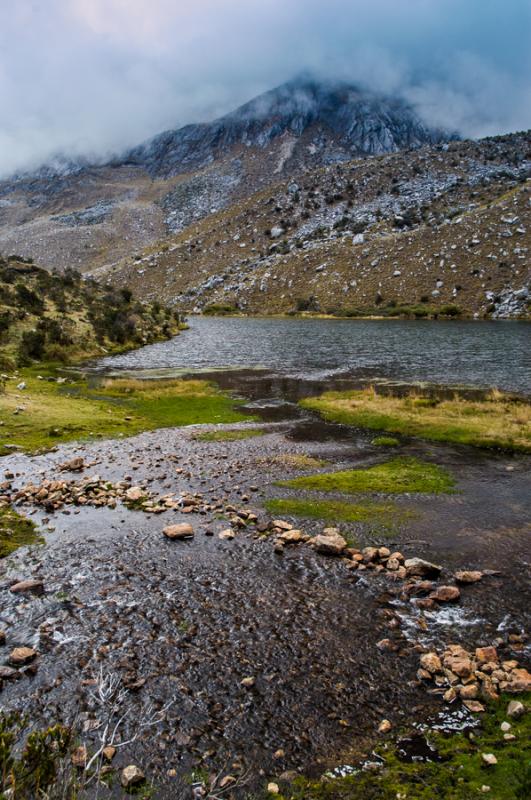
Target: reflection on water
[{"x": 466, "y": 352}]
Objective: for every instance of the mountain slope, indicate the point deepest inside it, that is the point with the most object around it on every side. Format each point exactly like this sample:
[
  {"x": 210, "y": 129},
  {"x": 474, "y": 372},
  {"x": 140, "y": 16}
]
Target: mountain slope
[
  {"x": 438, "y": 226},
  {"x": 87, "y": 216}
]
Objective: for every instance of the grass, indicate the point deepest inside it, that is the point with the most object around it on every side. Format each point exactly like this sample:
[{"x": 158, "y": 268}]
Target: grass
[
  {"x": 55, "y": 413},
  {"x": 335, "y": 510},
  {"x": 393, "y": 477},
  {"x": 459, "y": 774},
  {"x": 385, "y": 441},
  {"x": 15, "y": 531},
  {"x": 294, "y": 461},
  {"x": 234, "y": 435},
  {"x": 497, "y": 421}
]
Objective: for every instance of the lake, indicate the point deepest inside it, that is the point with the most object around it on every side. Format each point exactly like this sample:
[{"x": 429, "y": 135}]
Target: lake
[{"x": 478, "y": 353}]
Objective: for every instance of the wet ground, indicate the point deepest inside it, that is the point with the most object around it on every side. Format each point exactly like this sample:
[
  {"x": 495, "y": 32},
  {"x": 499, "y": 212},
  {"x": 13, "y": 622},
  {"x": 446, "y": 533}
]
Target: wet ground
[{"x": 182, "y": 623}]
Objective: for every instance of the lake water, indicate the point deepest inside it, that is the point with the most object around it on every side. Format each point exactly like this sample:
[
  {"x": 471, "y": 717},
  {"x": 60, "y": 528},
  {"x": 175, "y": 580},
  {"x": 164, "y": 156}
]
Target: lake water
[{"x": 465, "y": 352}]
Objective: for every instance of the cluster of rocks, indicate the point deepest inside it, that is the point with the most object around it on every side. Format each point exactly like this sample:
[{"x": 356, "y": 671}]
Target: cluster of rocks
[{"x": 461, "y": 674}]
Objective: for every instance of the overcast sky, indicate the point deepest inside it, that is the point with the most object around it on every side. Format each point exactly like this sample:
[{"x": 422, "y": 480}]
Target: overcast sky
[{"x": 95, "y": 76}]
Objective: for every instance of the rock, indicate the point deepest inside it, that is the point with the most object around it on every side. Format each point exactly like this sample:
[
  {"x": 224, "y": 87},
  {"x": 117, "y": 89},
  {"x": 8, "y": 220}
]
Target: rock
[
  {"x": 370, "y": 554},
  {"x": 486, "y": 654},
  {"x": 131, "y": 776},
  {"x": 450, "y": 695},
  {"x": 468, "y": 576},
  {"x": 431, "y": 662},
  {"x": 393, "y": 564},
  {"x": 226, "y": 534},
  {"x": 292, "y": 537},
  {"x": 515, "y": 709},
  {"x": 7, "y": 673},
  {"x": 469, "y": 692},
  {"x": 425, "y": 569},
  {"x": 272, "y": 788},
  {"x": 462, "y": 667},
  {"x": 474, "y": 706},
  {"x": 248, "y": 683},
  {"x": 74, "y": 465},
  {"x": 281, "y": 525},
  {"x": 109, "y": 752},
  {"x": 22, "y": 655},
  {"x": 489, "y": 759},
  {"x": 505, "y": 727},
  {"x": 182, "y": 530},
  {"x": 34, "y": 586},
  {"x": 133, "y": 494},
  {"x": 331, "y": 544},
  {"x": 446, "y": 594},
  {"x": 520, "y": 681},
  {"x": 385, "y": 726},
  {"x": 79, "y": 757}
]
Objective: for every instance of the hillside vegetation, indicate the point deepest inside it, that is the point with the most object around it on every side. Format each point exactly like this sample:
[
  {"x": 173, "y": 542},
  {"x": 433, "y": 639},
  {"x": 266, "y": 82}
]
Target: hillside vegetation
[{"x": 47, "y": 316}]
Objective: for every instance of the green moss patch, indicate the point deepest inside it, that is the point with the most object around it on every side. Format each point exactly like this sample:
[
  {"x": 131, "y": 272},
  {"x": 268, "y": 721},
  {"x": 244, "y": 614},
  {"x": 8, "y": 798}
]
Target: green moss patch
[
  {"x": 46, "y": 413},
  {"x": 16, "y": 531},
  {"x": 234, "y": 435},
  {"x": 393, "y": 477},
  {"x": 497, "y": 421},
  {"x": 385, "y": 441},
  {"x": 332, "y": 510},
  {"x": 460, "y": 774}
]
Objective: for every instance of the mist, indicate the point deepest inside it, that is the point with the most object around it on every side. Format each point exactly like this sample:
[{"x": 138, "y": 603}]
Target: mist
[{"x": 93, "y": 77}]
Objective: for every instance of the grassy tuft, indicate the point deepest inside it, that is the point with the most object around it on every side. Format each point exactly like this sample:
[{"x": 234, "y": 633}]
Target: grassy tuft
[
  {"x": 497, "y": 421},
  {"x": 393, "y": 477},
  {"x": 385, "y": 441}
]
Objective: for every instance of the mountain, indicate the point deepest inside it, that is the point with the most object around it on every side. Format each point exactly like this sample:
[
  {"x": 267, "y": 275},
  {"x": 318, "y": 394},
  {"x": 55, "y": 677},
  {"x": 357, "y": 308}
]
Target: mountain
[
  {"x": 319, "y": 123},
  {"x": 89, "y": 215},
  {"x": 316, "y": 196}
]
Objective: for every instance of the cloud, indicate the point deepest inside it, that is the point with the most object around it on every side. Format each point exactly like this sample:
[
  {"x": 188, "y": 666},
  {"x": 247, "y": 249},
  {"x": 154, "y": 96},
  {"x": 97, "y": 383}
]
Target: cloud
[{"x": 92, "y": 77}]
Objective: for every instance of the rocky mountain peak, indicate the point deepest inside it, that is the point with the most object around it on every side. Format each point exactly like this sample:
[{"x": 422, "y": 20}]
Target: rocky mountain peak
[{"x": 334, "y": 121}]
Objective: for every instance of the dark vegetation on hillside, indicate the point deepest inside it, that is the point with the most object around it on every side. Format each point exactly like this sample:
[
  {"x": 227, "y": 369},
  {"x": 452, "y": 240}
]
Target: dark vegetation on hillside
[{"x": 61, "y": 317}]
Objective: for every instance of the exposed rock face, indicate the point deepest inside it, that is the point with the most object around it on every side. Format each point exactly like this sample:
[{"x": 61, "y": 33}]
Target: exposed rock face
[{"x": 332, "y": 121}]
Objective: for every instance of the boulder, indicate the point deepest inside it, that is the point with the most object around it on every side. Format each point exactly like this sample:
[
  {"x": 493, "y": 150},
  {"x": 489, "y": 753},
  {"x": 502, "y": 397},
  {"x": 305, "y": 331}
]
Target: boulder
[
  {"x": 446, "y": 594},
  {"x": 74, "y": 465},
  {"x": 22, "y": 655},
  {"x": 331, "y": 544},
  {"x": 133, "y": 494},
  {"x": 182, "y": 530},
  {"x": 32, "y": 585},
  {"x": 468, "y": 576},
  {"x": 425, "y": 569},
  {"x": 431, "y": 662},
  {"x": 485, "y": 655},
  {"x": 515, "y": 709},
  {"x": 292, "y": 537},
  {"x": 131, "y": 776}
]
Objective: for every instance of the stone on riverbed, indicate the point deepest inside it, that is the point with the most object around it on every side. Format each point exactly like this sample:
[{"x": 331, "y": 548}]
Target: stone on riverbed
[
  {"x": 468, "y": 576},
  {"x": 74, "y": 465},
  {"x": 182, "y": 530},
  {"x": 329, "y": 542},
  {"x": 22, "y": 655},
  {"x": 32, "y": 585},
  {"x": 417, "y": 566},
  {"x": 446, "y": 594},
  {"x": 292, "y": 537}
]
